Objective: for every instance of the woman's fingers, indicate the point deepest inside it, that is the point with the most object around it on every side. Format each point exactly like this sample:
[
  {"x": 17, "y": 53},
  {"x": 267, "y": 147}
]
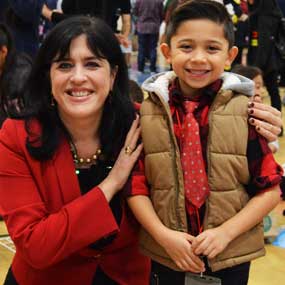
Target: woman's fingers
[
  {"x": 132, "y": 137},
  {"x": 132, "y": 130},
  {"x": 266, "y": 119},
  {"x": 265, "y": 113},
  {"x": 267, "y": 130}
]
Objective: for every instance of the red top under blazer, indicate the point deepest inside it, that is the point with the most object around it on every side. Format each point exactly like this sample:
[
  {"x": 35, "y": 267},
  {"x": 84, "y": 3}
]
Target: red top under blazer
[{"x": 52, "y": 224}]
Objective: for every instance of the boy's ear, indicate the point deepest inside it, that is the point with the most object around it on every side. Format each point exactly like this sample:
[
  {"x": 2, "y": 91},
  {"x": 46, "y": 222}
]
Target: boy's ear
[
  {"x": 232, "y": 53},
  {"x": 165, "y": 49}
]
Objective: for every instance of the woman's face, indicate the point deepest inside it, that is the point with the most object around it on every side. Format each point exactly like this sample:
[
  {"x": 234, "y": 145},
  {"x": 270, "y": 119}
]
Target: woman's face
[{"x": 81, "y": 82}]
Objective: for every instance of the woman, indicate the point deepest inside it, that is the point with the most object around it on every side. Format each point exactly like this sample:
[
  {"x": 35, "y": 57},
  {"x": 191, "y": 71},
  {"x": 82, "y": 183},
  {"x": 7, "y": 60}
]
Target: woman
[
  {"x": 63, "y": 165},
  {"x": 108, "y": 10}
]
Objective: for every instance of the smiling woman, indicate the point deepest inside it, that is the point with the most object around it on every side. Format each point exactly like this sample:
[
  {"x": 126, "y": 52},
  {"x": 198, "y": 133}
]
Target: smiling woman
[
  {"x": 67, "y": 164},
  {"x": 81, "y": 82}
]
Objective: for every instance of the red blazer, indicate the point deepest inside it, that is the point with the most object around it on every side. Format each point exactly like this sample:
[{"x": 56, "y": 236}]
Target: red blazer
[{"x": 52, "y": 225}]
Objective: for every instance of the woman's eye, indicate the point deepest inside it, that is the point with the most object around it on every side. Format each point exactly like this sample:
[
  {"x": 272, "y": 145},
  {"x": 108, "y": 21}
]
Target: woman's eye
[
  {"x": 64, "y": 65},
  {"x": 92, "y": 64}
]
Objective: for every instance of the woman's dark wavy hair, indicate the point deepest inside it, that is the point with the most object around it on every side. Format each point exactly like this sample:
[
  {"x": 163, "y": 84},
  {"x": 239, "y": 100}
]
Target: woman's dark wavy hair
[
  {"x": 5, "y": 37},
  {"x": 118, "y": 111}
]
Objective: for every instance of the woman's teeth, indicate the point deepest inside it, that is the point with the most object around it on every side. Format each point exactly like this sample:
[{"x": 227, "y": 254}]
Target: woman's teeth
[{"x": 80, "y": 93}]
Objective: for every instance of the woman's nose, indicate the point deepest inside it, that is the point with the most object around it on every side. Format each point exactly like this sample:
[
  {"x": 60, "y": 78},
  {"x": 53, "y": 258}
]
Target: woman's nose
[{"x": 78, "y": 75}]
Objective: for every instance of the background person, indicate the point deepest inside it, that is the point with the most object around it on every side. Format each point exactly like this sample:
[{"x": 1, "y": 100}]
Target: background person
[
  {"x": 149, "y": 15},
  {"x": 108, "y": 10},
  {"x": 15, "y": 68},
  {"x": 264, "y": 18},
  {"x": 23, "y": 18}
]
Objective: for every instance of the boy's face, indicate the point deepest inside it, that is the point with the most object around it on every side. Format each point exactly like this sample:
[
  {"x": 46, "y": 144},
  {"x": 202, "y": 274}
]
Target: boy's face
[{"x": 198, "y": 53}]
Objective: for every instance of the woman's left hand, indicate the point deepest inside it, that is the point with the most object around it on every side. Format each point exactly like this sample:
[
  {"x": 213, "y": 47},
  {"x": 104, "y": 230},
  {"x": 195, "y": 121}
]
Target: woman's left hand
[
  {"x": 211, "y": 242},
  {"x": 266, "y": 119},
  {"x": 125, "y": 162}
]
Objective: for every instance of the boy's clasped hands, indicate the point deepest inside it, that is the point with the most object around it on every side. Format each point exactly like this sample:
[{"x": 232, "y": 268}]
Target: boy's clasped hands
[{"x": 187, "y": 251}]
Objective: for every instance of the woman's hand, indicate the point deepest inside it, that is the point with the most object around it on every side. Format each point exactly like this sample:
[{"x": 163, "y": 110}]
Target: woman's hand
[
  {"x": 179, "y": 248},
  {"x": 211, "y": 242},
  {"x": 266, "y": 119},
  {"x": 124, "y": 163}
]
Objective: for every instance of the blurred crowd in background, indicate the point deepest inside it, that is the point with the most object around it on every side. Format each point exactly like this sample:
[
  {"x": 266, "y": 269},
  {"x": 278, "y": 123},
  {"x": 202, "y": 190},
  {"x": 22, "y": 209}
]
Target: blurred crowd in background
[{"x": 140, "y": 25}]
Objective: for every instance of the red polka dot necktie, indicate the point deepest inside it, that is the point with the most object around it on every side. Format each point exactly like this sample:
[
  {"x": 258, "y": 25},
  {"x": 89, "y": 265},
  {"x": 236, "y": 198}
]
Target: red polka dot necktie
[{"x": 195, "y": 178}]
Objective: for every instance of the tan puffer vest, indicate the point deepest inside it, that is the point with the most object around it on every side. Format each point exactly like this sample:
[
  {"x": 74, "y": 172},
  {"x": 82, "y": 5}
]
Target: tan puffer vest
[{"x": 227, "y": 173}]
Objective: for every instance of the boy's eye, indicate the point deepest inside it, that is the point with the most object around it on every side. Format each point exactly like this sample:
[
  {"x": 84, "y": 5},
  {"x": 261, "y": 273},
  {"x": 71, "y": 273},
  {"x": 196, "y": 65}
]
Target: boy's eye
[
  {"x": 213, "y": 48},
  {"x": 186, "y": 47}
]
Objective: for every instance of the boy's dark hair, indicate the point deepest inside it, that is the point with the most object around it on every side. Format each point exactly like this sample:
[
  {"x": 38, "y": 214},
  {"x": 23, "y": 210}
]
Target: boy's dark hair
[
  {"x": 201, "y": 9},
  {"x": 248, "y": 71}
]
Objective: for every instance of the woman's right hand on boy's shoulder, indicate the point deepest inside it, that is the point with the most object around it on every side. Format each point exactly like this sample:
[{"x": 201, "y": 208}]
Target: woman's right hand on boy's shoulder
[{"x": 178, "y": 246}]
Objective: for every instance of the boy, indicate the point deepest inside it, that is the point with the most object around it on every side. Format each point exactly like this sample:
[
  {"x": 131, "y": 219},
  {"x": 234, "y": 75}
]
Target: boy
[{"x": 213, "y": 209}]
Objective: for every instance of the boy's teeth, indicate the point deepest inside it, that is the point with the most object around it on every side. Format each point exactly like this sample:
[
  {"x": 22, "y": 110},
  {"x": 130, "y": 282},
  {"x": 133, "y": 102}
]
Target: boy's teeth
[{"x": 197, "y": 72}]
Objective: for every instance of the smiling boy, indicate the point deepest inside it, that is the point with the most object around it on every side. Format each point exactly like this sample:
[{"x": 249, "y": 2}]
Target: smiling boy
[{"x": 210, "y": 177}]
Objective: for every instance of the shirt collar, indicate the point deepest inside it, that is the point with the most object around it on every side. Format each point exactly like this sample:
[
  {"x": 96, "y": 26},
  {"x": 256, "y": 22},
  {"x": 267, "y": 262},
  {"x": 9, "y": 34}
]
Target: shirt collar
[{"x": 176, "y": 97}]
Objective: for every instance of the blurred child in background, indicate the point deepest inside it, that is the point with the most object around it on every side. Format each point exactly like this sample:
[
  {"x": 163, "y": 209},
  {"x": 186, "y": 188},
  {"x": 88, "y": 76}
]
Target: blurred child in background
[{"x": 255, "y": 74}]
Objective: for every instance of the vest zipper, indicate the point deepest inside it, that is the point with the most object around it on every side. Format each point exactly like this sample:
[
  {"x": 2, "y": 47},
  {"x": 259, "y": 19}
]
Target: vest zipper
[{"x": 172, "y": 138}]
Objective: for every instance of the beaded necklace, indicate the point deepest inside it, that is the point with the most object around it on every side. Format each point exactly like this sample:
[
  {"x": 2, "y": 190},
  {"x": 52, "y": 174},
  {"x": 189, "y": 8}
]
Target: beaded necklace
[{"x": 80, "y": 161}]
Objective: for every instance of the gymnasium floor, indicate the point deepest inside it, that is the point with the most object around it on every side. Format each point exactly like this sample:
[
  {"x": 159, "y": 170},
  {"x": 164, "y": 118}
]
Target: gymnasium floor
[{"x": 268, "y": 270}]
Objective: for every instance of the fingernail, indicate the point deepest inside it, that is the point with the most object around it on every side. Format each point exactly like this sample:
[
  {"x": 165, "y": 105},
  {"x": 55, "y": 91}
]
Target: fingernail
[
  {"x": 250, "y": 104},
  {"x": 250, "y": 111},
  {"x": 258, "y": 128},
  {"x": 251, "y": 120}
]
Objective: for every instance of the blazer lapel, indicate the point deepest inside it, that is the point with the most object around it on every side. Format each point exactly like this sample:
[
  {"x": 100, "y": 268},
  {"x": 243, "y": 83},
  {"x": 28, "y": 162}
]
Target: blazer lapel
[{"x": 65, "y": 171}]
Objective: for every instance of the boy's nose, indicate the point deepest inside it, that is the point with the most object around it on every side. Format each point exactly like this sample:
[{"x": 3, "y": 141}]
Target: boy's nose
[{"x": 198, "y": 55}]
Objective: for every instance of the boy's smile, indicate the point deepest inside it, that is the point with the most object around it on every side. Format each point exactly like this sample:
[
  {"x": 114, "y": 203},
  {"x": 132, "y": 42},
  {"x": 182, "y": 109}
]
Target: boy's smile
[{"x": 198, "y": 53}]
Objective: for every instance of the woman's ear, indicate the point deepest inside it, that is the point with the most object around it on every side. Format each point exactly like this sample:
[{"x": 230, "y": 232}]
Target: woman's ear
[
  {"x": 165, "y": 50},
  {"x": 113, "y": 75}
]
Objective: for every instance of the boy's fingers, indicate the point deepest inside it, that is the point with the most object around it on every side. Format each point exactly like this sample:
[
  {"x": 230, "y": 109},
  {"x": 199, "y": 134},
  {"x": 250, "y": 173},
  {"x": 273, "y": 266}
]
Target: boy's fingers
[{"x": 190, "y": 238}]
